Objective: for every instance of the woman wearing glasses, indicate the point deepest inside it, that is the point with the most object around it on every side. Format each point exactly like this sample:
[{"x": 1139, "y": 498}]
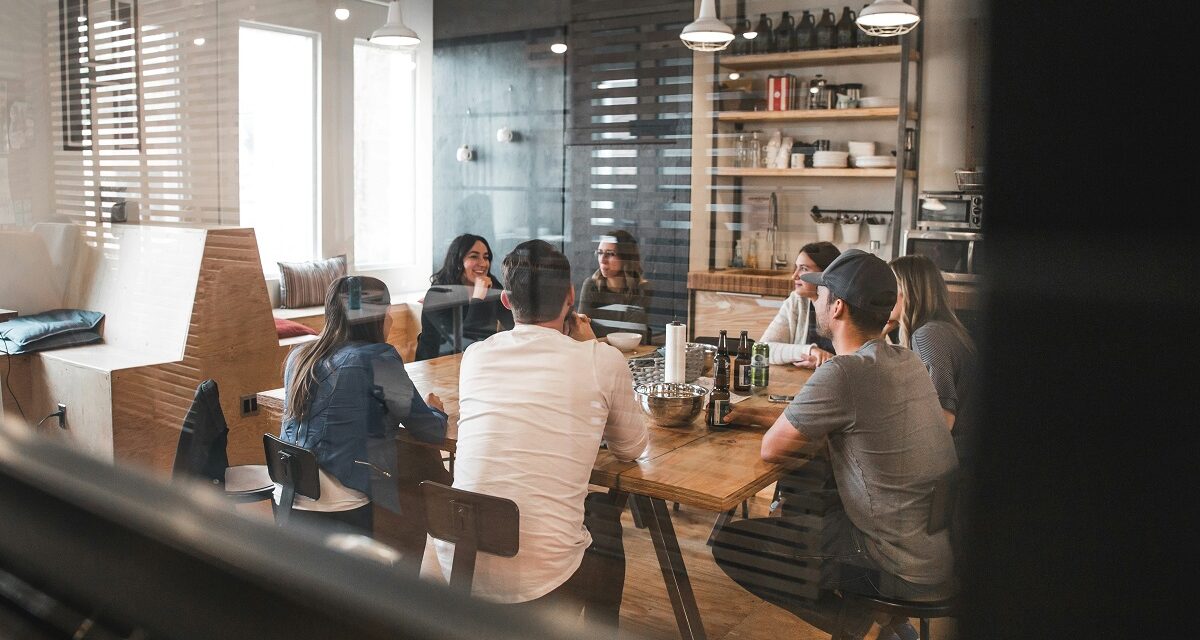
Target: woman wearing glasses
[{"x": 616, "y": 297}]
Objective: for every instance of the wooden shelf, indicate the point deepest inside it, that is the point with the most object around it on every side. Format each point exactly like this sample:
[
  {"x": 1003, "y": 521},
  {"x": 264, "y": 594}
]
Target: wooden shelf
[
  {"x": 874, "y": 113},
  {"x": 857, "y": 55},
  {"x": 736, "y": 172}
]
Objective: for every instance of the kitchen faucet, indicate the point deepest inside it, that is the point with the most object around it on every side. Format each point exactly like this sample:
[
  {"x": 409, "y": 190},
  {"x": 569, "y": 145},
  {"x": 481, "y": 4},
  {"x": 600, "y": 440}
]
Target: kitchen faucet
[{"x": 778, "y": 260}]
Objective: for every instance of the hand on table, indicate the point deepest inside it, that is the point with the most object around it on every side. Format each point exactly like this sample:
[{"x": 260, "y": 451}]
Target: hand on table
[
  {"x": 760, "y": 417},
  {"x": 482, "y": 284},
  {"x": 435, "y": 402},
  {"x": 579, "y": 326},
  {"x": 815, "y": 358}
]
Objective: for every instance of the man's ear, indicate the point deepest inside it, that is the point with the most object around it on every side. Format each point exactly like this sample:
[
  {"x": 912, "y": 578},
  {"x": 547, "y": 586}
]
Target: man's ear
[
  {"x": 570, "y": 298},
  {"x": 504, "y": 299},
  {"x": 838, "y": 310}
]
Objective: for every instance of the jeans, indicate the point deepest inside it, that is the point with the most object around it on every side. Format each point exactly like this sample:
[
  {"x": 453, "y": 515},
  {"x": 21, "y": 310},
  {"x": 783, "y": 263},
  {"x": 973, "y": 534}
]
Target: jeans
[{"x": 805, "y": 559}]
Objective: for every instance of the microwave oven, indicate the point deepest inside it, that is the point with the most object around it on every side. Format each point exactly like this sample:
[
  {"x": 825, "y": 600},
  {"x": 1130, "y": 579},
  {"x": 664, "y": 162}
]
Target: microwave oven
[
  {"x": 959, "y": 211},
  {"x": 957, "y": 254}
]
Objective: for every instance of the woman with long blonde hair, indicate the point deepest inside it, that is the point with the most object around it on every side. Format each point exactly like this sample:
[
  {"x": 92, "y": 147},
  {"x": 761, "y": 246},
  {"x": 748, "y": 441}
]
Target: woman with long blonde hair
[
  {"x": 929, "y": 326},
  {"x": 345, "y": 395}
]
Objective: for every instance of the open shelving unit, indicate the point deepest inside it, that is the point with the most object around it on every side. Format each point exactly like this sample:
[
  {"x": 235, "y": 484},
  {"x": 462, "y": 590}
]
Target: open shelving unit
[{"x": 906, "y": 55}]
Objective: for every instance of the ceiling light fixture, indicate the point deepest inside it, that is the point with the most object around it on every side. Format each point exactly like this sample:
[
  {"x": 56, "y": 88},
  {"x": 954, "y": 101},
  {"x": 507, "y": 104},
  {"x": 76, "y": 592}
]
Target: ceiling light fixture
[
  {"x": 887, "y": 18},
  {"x": 199, "y": 42},
  {"x": 394, "y": 32},
  {"x": 341, "y": 13},
  {"x": 558, "y": 47},
  {"x": 707, "y": 33}
]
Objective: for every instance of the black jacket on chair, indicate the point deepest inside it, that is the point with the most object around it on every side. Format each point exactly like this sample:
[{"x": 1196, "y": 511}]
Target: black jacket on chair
[{"x": 203, "y": 438}]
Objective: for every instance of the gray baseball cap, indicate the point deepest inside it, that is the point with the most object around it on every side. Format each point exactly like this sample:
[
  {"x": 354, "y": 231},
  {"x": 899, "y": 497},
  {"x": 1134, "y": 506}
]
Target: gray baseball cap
[{"x": 859, "y": 278}]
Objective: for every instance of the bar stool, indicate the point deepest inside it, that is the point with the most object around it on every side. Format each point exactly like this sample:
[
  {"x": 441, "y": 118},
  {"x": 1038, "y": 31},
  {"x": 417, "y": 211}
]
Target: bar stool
[{"x": 943, "y": 510}]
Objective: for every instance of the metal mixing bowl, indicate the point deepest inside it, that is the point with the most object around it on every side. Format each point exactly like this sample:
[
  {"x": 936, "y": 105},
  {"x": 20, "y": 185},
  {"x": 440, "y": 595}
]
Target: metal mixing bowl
[{"x": 671, "y": 404}]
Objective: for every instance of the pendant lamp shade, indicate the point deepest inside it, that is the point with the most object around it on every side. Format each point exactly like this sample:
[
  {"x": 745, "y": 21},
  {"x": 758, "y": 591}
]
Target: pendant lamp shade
[
  {"x": 707, "y": 33},
  {"x": 394, "y": 32},
  {"x": 886, "y": 18}
]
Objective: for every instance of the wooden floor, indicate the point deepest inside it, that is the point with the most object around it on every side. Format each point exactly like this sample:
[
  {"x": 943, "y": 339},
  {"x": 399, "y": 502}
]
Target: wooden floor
[{"x": 727, "y": 610}]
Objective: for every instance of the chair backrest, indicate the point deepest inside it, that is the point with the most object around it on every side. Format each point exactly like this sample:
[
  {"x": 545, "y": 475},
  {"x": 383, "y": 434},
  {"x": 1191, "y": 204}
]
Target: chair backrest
[
  {"x": 473, "y": 522},
  {"x": 295, "y": 469},
  {"x": 203, "y": 438}
]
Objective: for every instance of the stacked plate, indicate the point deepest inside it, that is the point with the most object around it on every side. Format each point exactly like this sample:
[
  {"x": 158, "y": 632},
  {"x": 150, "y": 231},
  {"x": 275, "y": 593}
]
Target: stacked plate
[
  {"x": 830, "y": 159},
  {"x": 876, "y": 101},
  {"x": 875, "y": 162}
]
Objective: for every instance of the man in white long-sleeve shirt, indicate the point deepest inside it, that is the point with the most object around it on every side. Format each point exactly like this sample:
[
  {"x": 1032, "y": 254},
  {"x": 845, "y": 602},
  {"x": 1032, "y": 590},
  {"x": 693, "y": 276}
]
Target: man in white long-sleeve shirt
[{"x": 535, "y": 404}]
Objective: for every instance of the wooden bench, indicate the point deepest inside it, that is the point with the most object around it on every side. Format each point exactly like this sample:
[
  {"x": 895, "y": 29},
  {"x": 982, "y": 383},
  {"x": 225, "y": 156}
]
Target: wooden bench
[
  {"x": 406, "y": 324},
  {"x": 181, "y": 305}
]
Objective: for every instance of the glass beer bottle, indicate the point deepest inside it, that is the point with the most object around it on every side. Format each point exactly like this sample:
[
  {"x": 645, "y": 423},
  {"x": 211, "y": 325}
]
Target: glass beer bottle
[
  {"x": 718, "y": 400},
  {"x": 741, "y": 366}
]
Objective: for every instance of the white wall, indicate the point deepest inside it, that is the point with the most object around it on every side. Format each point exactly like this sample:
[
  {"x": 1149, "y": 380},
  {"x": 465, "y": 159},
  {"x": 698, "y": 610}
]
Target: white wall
[{"x": 25, "y": 190}]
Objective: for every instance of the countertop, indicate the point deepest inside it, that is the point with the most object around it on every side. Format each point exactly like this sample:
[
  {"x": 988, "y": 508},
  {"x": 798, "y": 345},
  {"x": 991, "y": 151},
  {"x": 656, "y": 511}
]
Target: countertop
[
  {"x": 761, "y": 281},
  {"x": 779, "y": 283}
]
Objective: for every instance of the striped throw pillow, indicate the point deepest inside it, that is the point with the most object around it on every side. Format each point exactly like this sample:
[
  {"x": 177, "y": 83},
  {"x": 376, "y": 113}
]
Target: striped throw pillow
[{"x": 304, "y": 284}]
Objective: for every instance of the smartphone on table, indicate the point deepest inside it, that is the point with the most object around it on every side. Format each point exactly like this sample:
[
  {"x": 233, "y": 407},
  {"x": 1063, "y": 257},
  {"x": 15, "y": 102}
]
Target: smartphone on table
[{"x": 775, "y": 397}]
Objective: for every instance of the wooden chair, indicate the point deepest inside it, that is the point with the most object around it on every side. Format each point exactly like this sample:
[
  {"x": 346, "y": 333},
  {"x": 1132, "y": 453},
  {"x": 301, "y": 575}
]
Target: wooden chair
[
  {"x": 295, "y": 469},
  {"x": 943, "y": 514},
  {"x": 200, "y": 452},
  {"x": 474, "y": 523}
]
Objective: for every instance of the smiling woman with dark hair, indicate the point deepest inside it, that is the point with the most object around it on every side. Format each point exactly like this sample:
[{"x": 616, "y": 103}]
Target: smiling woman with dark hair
[{"x": 465, "y": 285}]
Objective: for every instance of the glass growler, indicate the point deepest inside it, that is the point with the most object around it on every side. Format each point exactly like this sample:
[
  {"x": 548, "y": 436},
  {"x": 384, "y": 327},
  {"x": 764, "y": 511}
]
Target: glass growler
[
  {"x": 847, "y": 30},
  {"x": 826, "y": 31},
  {"x": 762, "y": 43},
  {"x": 785, "y": 33},
  {"x": 806, "y": 32}
]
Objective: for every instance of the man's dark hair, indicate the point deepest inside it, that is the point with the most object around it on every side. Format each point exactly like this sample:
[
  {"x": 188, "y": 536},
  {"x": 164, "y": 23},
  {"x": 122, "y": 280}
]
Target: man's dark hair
[
  {"x": 538, "y": 277},
  {"x": 868, "y": 322}
]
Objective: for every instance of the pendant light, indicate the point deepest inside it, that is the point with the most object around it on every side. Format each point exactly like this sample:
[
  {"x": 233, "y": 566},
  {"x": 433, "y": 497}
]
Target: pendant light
[
  {"x": 886, "y": 18},
  {"x": 707, "y": 33},
  {"x": 394, "y": 32}
]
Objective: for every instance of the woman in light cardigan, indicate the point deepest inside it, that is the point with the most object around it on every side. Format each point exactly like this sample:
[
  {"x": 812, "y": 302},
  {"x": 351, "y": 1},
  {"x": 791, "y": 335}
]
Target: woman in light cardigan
[{"x": 792, "y": 335}]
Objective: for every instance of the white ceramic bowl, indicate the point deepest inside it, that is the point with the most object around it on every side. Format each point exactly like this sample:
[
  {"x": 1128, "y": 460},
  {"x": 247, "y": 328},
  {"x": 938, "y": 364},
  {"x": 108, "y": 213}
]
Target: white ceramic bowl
[
  {"x": 624, "y": 341},
  {"x": 861, "y": 148},
  {"x": 832, "y": 155}
]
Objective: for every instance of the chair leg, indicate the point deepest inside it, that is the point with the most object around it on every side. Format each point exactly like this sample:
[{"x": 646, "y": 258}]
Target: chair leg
[
  {"x": 675, "y": 507},
  {"x": 745, "y": 509},
  {"x": 722, "y": 520},
  {"x": 924, "y": 628},
  {"x": 637, "y": 515}
]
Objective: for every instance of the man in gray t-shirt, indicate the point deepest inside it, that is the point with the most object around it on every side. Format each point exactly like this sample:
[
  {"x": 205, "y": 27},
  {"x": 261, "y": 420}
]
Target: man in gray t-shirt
[{"x": 875, "y": 409}]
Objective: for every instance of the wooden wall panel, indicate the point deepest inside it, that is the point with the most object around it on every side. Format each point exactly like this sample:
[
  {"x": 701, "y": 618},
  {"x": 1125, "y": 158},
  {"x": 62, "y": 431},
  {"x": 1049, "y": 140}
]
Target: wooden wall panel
[{"x": 231, "y": 339}]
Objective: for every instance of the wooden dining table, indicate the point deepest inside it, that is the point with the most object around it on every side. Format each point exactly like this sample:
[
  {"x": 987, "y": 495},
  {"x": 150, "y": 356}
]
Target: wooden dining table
[{"x": 711, "y": 468}]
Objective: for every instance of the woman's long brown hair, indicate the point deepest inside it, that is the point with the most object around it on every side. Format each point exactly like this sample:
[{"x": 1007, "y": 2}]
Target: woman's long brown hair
[
  {"x": 631, "y": 262},
  {"x": 339, "y": 330},
  {"x": 925, "y": 298}
]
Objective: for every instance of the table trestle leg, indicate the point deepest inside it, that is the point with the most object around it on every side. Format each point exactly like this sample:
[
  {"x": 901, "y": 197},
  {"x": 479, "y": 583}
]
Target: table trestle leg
[{"x": 670, "y": 560}]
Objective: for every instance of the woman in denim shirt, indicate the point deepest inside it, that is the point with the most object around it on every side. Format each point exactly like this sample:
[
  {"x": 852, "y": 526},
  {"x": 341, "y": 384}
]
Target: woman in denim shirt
[{"x": 345, "y": 395}]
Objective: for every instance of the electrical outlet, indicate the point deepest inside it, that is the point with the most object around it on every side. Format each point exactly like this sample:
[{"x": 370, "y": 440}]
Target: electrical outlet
[
  {"x": 62, "y": 416},
  {"x": 250, "y": 405}
]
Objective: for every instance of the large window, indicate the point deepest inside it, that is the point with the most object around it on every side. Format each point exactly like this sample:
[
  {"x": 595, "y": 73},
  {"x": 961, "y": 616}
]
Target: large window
[
  {"x": 277, "y": 146},
  {"x": 384, "y": 154}
]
